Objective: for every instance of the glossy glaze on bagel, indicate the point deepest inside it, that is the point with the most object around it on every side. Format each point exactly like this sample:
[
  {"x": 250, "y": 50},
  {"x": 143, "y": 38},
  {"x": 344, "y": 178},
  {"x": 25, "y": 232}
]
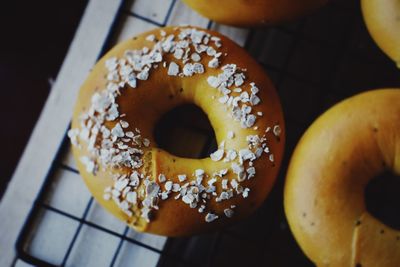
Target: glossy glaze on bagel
[
  {"x": 338, "y": 155},
  {"x": 253, "y": 12},
  {"x": 147, "y": 76},
  {"x": 382, "y": 18}
]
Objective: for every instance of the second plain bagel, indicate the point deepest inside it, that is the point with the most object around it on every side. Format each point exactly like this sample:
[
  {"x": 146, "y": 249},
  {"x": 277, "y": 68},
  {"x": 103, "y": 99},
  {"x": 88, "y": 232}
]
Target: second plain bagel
[
  {"x": 337, "y": 156},
  {"x": 253, "y": 12},
  {"x": 132, "y": 87},
  {"x": 382, "y": 18}
]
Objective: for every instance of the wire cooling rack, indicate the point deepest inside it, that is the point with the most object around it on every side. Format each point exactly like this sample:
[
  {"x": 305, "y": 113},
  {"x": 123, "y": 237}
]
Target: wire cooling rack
[{"x": 314, "y": 63}]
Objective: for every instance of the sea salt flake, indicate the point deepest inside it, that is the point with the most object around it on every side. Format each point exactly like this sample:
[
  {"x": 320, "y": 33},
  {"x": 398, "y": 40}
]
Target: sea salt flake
[
  {"x": 222, "y": 172},
  {"x": 176, "y": 188},
  {"x": 173, "y": 69},
  {"x": 161, "y": 178},
  {"x": 223, "y": 99},
  {"x": 188, "y": 69},
  {"x": 117, "y": 131},
  {"x": 224, "y": 184},
  {"x": 168, "y": 185},
  {"x": 251, "y": 172},
  {"x": 239, "y": 79},
  {"x": 254, "y": 90},
  {"x": 198, "y": 68},
  {"x": 210, "y": 217},
  {"x": 188, "y": 199},
  {"x": 250, "y": 120},
  {"x": 245, "y": 193},
  {"x": 124, "y": 205},
  {"x": 230, "y": 155},
  {"x": 150, "y": 37},
  {"x": 131, "y": 197},
  {"x": 152, "y": 189},
  {"x": 246, "y": 154},
  {"x": 164, "y": 195},
  {"x": 146, "y": 142},
  {"x": 223, "y": 196},
  {"x": 124, "y": 124},
  {"x": 115, "y": 193},
  {"x": 217, "y": 155},
  {"x": 89, "y": 164},
  {"x": 144, "y": 74},
  {"x": 132, "y": 80},
  {"x": 129, "y": 134},
  {"x": 211, "y": 51},
  {"x": 271, "y": 157},
  {"x": 254, "y": 100},
  {"x": 201, "y": 209},
  {"x": 121, "y": 184},
  {"x": 178, "y": 54},
  {"x": 213, "y": 63},
  {"x": 195, "y": 57},
  {"x": 213, "y": 81},
  {"x": 277, "y": 130},
  {"x": 101, "y": 101},
  {"x": 236, "y": 168},
  {"x": 197, "y": 36},
  {"x": 111, "y": 63},
  {"x": 199, "y": 172},
  {"x": 211, "y": 181},
  {"x": 73, "y": 136},
  {"x": 228, "y": 213},
  {"x": 182, "y": 177}
]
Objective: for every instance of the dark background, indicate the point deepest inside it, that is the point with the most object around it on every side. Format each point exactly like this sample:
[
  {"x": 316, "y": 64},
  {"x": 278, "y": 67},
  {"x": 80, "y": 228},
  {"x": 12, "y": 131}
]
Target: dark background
[{"x": 35, "y": 36}]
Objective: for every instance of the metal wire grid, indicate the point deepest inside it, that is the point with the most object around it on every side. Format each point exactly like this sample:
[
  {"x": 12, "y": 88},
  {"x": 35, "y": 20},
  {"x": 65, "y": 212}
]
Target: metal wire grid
[{"x": 305, "y": 90}]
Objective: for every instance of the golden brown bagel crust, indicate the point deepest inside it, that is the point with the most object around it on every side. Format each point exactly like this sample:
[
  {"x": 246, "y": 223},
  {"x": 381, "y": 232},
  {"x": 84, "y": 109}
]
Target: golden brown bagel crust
[
  {"x": 253, "y": 12},
  {"x": 336, "y": 157},
  {"x": 382, "y": 18},
  {"x": 152, "y": 98}
]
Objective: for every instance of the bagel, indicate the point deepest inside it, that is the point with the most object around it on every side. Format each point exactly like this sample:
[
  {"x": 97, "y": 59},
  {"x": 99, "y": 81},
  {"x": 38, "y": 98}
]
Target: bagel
[
  {"x": 382, "y": 18},
  {"x": 337, "y": 156},
  {"x": 129, "y": 90},
  {"x": 253, "y": 12}
]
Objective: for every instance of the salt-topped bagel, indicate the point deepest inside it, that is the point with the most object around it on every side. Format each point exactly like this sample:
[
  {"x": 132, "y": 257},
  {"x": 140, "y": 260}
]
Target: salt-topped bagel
[
  {"x": 141, "y": 79},
  {"x": 344, "y": 149},
  {"x": 253, "y": 12}
]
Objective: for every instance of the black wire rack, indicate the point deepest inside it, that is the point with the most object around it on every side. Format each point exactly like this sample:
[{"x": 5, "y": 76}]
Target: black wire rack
[{"x": 314, "y": 63}]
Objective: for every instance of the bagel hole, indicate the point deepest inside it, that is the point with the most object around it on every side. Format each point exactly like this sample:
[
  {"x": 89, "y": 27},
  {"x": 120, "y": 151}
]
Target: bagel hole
[
  {"x": 185, "y": 131},
  {"x": 382, "y": 197}
]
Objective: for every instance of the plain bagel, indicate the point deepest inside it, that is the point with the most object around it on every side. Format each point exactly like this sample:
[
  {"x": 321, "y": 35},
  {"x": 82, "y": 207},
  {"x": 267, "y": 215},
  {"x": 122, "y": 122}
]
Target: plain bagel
[
  {"x": 338, "y": 155},
  {"x": 141, "y": 79},
  {"x": 253, "y": 12},
  {"x": 382, "y": 18}
]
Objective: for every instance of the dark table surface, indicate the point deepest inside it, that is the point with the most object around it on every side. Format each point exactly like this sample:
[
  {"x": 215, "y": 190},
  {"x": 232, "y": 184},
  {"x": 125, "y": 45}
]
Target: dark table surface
[{"x": 35, "y": 36}]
